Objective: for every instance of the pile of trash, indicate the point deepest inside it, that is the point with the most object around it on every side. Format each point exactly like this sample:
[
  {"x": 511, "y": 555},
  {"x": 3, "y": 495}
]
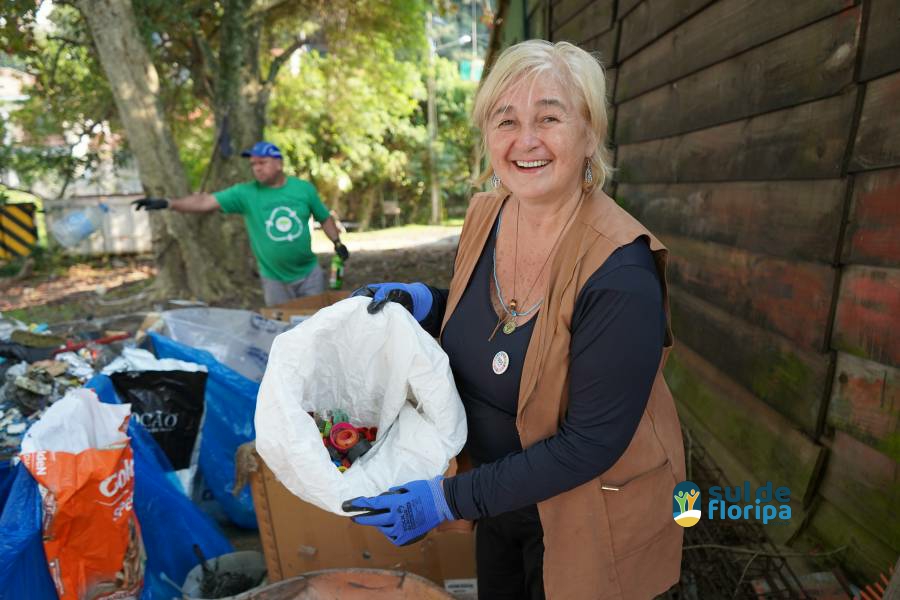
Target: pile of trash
[
  {"x": 345, "y": 442},
  {"x": 170, "y": 461},
  {"x": 37, "y": 368},
  {"x": 117, "y": 451}
]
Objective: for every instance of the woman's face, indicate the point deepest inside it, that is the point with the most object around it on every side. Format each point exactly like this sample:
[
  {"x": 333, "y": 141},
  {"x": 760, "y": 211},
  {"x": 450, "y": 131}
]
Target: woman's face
[{"x": 538, "y": 140}]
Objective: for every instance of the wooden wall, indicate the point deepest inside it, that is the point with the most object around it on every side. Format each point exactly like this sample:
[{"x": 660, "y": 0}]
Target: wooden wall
[{"x": 760, "y": 139}]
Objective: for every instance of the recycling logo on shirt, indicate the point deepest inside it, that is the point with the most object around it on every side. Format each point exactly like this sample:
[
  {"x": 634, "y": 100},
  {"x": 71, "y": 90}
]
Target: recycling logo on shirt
[{"x": 283, "y": 225}]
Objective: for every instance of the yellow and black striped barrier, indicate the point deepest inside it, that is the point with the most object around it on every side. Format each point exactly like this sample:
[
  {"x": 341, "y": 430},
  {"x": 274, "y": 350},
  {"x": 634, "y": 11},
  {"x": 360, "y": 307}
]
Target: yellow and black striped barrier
[{"x": 18, "y": 232}]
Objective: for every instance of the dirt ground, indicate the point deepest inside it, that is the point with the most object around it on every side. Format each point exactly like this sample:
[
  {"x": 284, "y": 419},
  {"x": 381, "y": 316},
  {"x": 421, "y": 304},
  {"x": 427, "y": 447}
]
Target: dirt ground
[{"x": 104, "y": 289}]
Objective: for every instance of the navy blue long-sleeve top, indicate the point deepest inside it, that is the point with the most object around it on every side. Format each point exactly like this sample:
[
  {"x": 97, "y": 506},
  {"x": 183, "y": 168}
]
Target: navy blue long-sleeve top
[{"x": 618, "y": 331}]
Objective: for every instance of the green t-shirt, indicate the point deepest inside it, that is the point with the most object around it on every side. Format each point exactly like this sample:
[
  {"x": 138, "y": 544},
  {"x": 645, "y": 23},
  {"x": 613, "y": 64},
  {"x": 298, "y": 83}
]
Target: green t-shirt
[{"x": 278, "y": 224}]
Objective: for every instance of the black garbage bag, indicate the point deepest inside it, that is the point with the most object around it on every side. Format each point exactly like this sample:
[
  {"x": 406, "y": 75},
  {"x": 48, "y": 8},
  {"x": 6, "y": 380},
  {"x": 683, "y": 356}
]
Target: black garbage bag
[
  {"x": 20, "y": 352},
  {"x": 169, "y": 404}
]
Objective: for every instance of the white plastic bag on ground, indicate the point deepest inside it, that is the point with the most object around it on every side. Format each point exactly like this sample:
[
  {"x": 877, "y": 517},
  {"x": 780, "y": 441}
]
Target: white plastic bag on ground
[
  {"x": 239, "y": 339},
  {"x": 383, "y": 370},
  {"x": 137, "y": 359}
]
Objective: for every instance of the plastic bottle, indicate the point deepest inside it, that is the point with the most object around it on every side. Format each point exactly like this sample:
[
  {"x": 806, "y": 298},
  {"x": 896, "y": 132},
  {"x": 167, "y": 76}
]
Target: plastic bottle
[
  {"x": 336, "y": 277},
  {"x": 78, "y": 225}
]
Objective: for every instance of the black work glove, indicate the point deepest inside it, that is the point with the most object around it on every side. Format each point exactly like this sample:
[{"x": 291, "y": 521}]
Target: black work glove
[
  {"x": 341, "y": 250},
  {"x": 150, "y": 204}
]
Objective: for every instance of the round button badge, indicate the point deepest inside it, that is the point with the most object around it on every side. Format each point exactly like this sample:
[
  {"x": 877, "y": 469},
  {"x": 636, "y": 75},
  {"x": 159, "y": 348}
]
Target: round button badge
[{"x": 500, "y": 362}]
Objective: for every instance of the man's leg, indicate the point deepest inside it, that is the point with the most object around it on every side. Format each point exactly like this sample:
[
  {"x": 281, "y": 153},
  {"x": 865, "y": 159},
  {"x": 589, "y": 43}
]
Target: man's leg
[
  {"x": 275, "y": 292},
  {"x": 312, "y": 284}
]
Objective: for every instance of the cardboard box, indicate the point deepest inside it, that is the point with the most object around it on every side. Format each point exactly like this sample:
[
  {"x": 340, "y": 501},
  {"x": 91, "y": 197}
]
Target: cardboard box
[
  {"x": 303, "y": 307},
  {"x": 298, "y": 537}
]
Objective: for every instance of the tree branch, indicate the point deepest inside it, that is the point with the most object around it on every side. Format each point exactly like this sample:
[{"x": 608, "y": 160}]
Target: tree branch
[
  {"x": 67, "y": 40},
  {"x": 207, "y": 67},
  {"x": 282, "y": 58},
  {"x": 261, "y": 7}
]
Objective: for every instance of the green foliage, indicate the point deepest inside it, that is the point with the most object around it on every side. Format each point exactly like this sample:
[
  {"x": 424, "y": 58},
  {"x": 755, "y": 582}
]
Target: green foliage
[
  {"x": 351, "y": 116},
  {"x": 68, "y": 98},
  {"x": 354, "y": 121}
]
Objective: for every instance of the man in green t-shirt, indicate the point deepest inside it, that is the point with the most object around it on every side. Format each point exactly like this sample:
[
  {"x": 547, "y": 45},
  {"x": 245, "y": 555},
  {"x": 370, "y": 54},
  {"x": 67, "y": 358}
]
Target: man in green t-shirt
[{"x": 276, "y": 210}]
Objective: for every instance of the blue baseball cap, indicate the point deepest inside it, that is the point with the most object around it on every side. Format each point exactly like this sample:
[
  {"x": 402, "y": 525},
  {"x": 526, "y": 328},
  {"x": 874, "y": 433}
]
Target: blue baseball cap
[{"x": 263, "y": 149}]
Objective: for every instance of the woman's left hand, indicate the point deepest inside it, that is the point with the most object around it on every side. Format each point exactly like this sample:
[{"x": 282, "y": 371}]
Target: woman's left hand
[{"x": 405, "y": 513}]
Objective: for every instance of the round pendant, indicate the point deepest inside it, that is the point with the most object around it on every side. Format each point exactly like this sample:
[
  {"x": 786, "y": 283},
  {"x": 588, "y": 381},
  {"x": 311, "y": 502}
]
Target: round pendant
[
  {"x": 509, "y": 326},
  {"x": 500, "y": 362}
]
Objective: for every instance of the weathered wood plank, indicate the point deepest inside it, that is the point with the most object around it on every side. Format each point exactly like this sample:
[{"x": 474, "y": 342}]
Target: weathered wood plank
[
  {"x": 873, "y": 231},
  {"x": 563, "y": 10},
  {"x": 536, "y": 24},
  {"x": 882, "y": 52},
  {"x": 793, "y": 219},
  {"x": 878, "y": 138},
  {"x": 604, "y": 45},
  {"x": 653, "y": 18},
  {"x": 866, "y": 317},
  {"x": 727, "y": 457},
  {"x": 803, "y": 142},
  {"x": 722, "y": 30},
  {"x": 626, "y": 6},
  {"x": 812, "y": 63},
  {"x": 787, "y": 378},
  {"x": 734, "y": 427},
  {"x": 791, "y": 298},
  {"x": 596, "y": 18},
  {"x": 865, "y": 484},
  {"x": 865, "y": 402},
  {"x": 865, "y": 556}
]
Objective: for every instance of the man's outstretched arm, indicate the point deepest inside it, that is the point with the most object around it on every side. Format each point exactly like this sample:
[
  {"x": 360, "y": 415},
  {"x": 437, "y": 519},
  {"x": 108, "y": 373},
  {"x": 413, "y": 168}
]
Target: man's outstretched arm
[{"x": 200, "y": 202}]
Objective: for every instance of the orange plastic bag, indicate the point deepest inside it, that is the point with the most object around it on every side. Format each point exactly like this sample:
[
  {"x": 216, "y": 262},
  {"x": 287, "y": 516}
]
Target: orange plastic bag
[{"x": 91, "y": 534}]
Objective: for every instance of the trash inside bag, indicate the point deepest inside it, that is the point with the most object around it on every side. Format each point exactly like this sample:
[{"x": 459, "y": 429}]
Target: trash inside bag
[
  {"x": 92, "y": 540},
  {"x": 169, "y": 404},
  {"x": 228, "y": 423},
  {"x": 166, "y": 397},
  {"x": 381, "y": 369},
  {"x": 171, "y": 525}
]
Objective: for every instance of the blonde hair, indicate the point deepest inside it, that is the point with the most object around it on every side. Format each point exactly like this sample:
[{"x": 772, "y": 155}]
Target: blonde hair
[{"x": 575, "y": 69}]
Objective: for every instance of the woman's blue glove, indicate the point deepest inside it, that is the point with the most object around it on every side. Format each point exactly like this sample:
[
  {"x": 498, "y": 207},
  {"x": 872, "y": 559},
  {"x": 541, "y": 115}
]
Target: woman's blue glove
[
  {"x": 405, "y": 513},
  {"x": 415, "y": 297}
]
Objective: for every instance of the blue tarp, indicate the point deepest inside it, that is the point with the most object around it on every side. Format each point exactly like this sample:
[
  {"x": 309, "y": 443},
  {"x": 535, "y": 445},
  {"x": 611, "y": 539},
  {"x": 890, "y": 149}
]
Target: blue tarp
[
  {"x": 230, "y": 406},
  {"x": 23, "y": 564}
]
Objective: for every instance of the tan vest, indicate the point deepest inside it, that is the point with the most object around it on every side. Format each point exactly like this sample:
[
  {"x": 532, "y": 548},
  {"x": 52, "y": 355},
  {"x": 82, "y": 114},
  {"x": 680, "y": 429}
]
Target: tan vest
[{"x": 614, "y": 536}]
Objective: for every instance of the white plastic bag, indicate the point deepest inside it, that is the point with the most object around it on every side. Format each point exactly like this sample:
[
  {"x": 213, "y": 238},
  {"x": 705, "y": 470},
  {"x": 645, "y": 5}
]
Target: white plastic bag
[
  {"x": 239, "y": 339},
  {"x": 383, "y": 370}
]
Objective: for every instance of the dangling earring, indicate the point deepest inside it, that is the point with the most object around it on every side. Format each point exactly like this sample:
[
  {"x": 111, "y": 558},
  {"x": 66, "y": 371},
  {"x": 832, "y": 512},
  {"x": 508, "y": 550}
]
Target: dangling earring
[
  {"x": 588, "y": 174},
  {"x": 495, "y": 181}
]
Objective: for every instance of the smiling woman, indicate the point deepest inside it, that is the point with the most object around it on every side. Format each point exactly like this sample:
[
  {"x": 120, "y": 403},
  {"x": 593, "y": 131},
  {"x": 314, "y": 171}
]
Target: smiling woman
[{"x": 556, "y": 328}]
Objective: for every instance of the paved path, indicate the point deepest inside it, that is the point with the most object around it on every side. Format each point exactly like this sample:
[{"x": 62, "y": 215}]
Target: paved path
[{"x": 389, "y": 239}]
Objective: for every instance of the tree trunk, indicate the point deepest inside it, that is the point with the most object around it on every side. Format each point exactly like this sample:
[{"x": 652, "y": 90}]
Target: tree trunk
[
  {"x": 196, "y": 255},
  {"x": 240, "y": 110}
]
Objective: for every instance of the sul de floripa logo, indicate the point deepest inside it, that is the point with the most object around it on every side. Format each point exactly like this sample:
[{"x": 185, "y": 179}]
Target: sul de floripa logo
[
  {"x": 766, "y": 503},
  {"x": 686, "y": 496}
]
